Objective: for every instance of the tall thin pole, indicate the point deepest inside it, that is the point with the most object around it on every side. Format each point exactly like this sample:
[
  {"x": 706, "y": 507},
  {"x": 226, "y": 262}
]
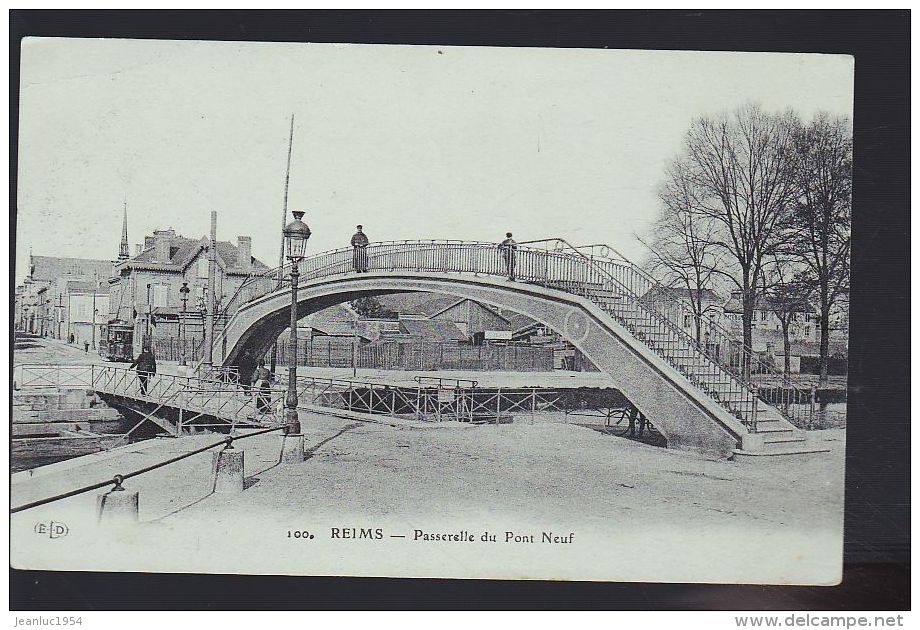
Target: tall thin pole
[
  {"x": 284, "y": 209},
  {"x": 209, "y": 315},
  {"x": 94, "y": 317}
]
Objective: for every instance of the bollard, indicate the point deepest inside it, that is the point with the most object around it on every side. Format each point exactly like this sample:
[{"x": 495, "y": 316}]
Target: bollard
[
  {"x": 117, "y": 507},
  {"x": 292, "y": 448},
  {"x": 228, "y": 471}
]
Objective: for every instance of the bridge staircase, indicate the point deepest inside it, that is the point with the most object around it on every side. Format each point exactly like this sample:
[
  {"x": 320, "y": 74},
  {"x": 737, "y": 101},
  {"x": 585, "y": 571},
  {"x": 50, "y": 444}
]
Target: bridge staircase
[{"x": 771, "y": 432}]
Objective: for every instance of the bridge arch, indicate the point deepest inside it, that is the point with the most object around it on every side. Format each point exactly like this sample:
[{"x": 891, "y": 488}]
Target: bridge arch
[{"x": 687, "y": 417}]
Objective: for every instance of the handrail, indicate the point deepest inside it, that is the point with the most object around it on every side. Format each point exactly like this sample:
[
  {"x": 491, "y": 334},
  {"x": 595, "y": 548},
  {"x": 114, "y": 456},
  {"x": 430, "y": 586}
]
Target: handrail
[
  {"x": 597, "y": 272},
  {"x": 750, "y": 358},
  {"x": 711, "y": 324},
  {"x": 118, "y": 479}
]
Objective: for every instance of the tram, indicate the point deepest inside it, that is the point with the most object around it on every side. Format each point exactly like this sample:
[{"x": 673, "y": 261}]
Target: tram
[{"x": 117, "y": 342}]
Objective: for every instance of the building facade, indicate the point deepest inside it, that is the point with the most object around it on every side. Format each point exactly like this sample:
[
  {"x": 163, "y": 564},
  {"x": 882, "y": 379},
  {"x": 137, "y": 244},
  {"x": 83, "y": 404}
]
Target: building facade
[
  {"x": 44, "y": 296},
  {"x": 87, "y": 311},
  {"x": 145, "y": 290}
]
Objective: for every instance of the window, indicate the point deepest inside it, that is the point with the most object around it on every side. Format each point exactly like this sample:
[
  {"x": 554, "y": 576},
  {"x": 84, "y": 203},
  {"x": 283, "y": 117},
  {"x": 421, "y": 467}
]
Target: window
[
  {"x": 686, "y": 321},
  {"x": 763, "y": 316},
  {"x": 160, "y": 295},
  {"x": 202, "y": 266}
]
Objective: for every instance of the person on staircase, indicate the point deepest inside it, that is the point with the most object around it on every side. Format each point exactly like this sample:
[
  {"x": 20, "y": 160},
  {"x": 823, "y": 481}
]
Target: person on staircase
[
  {"x": 146, "y": 366},
  {"x": 508, "y": 248},
  {"x": 359, "y": 242}
]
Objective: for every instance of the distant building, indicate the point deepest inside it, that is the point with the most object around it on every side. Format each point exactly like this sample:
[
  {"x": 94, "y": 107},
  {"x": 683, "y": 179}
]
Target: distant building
[
  {"x": 145, "y": 290},
  {"x": 431, "y": 330},
  {"x": 87, "y": 312},
  {"x": 43, "y": 296},
  {"x": 18, "y": 304},
  {"x": 667, "y": 300},
  {"x": 338, "y": 321},
  {"x": 476, "y": 321},
  {"x": 766, "y": 326}
]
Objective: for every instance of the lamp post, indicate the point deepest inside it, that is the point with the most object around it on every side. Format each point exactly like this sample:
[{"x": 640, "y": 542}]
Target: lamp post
[
  {"x": 202, "y": 308},
  {"x": 183, "y": 291},
  {"x": 146, "y": 339},
  {"x": 296, "y": 233}
]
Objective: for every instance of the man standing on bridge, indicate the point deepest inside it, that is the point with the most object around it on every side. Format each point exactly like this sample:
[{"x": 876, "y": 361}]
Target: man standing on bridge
[
  {"x": 508, "y": 247},
  {"x": 146, "y": 365},
  {"x": 360, "y": 242}
]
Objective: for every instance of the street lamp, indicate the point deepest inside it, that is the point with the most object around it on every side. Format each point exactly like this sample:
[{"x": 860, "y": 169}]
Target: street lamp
[
  {"x": 183, "y": 291},
  {"x": 296, "y": 233}
]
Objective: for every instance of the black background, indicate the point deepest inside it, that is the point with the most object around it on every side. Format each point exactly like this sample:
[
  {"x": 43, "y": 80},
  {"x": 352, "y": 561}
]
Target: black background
[{"x": 877, "y": 521}]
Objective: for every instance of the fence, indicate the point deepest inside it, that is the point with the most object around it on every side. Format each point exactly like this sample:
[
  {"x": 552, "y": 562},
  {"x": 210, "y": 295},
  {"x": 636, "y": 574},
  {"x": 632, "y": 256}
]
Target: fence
[
  {"x": 401, "y": 355},
  {"x": 170, "y": 349},
  {"x": 418, "y": 355}
]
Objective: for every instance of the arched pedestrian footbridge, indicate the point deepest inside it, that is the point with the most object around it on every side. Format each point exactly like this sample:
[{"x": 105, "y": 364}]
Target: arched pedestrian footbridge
[{"x": 695, "y": 393}]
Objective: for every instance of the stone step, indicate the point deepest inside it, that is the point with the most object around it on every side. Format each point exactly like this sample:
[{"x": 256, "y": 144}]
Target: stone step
[
  {"x": 763, "y": 442},
  {"x": 792, "y": 453}
]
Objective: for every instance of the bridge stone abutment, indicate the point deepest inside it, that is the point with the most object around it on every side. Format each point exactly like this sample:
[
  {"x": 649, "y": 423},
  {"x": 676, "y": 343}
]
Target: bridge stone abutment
[{"x": 687, "y": 418}]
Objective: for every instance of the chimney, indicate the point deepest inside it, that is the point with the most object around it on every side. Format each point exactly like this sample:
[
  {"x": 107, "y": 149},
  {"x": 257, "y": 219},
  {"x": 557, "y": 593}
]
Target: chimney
[
  {"x": 138, "y": 249},
  {"x": 244, "y": 253},
  {"x": 162, "y": 239}
]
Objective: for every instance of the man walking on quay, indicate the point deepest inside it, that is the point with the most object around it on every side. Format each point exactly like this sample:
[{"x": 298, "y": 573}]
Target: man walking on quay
[
  {"x": 508, "y": 247},
  {"x": 146, "y": 366},
  {"x": 359, "y": 242}
]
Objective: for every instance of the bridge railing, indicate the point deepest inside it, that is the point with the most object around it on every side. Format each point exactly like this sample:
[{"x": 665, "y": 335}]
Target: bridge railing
[
  {"x": 718, "y": 364},
  {"x": 792, "y": 398},
  {"x": 553, "y": 264},
  {"x": 194, "y": 396}
]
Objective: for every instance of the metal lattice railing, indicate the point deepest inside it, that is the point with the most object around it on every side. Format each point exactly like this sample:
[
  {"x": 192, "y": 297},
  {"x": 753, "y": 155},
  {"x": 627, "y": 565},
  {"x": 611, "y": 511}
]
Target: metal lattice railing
[
  {"x": 193, "y": 397},
  {"x": 718, "y": 364}
]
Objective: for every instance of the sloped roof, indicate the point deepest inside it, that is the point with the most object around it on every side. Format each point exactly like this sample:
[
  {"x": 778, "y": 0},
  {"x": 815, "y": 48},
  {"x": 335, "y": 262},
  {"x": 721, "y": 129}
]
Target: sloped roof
[
  {"x": 337, "y": 321},
  {"x": 406, "y": 303},
  {"x": 432, "y": 330},
  {"x": 84, "y": 286},
  {"x": 762, "y": 303},
  {"x": 51, "y": 268},
  {"x": 183, "y": 250},
  {"x": 519, "y": 321},
  {"x": 813, "y": 349},
  {"x": 438, "y": 304}
]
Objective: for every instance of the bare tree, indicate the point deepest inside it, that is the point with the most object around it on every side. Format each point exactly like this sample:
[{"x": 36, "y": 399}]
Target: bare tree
[
  {"x": 741, "y": 165},
  {"x": 683, "y": 243},
  {"x": 820, "y": 223},
  {"x": 787, "y": 294}
]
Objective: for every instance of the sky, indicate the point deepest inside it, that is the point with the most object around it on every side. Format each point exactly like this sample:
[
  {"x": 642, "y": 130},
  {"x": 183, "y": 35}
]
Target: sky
[{"x": 413, "y": 142}]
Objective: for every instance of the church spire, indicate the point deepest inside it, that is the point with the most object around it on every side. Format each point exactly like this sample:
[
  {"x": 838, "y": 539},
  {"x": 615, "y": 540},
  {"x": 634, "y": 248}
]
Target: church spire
[{"x": 123, "y": 248}]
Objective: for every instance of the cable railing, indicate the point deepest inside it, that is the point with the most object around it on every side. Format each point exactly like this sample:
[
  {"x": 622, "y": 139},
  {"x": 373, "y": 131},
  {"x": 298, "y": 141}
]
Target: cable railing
[{"x": 116, "y": 480}]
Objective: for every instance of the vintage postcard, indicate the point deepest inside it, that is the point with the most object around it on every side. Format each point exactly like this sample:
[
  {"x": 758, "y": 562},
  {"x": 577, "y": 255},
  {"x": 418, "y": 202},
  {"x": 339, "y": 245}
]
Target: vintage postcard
[{"x": 421, "y": 311}]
